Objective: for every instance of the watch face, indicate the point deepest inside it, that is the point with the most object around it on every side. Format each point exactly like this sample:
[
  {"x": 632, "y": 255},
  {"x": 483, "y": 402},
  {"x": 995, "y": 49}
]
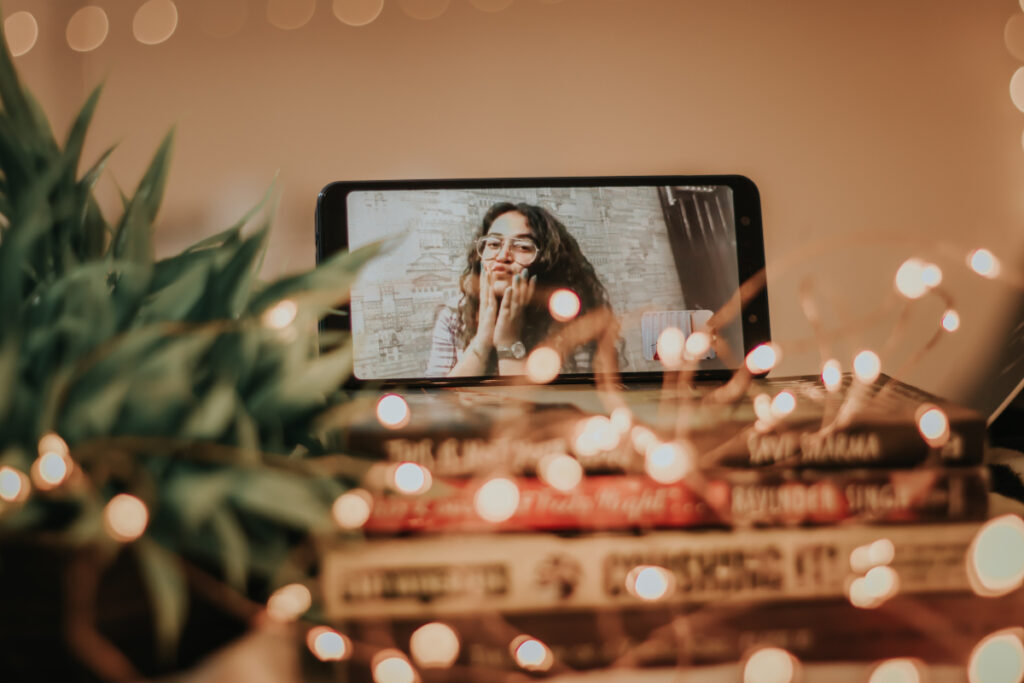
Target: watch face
[{"x": 518, "y": 350}]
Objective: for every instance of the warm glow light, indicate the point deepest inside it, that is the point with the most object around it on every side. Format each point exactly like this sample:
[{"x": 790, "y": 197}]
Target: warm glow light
[
  {"x": 871, "y": 590},
  {"x": 951, "y": 321},
  {"x": 497, "y": 499},
  {"x": 424, "y": 10},
  {"x": 391, "y": 666},
  {"x": 670, "y": 346},
  {"x": 596, "y": 434},
  {"x": 622, "y": 419},
  {"x": 770, "y": 665},
  {"x": 410, "y": 478},
  {"x": 290, "y": 602},
  {"x": 357, "y": 12},
  {"x": 910, "y": 279},
  {"x": 933, "y": 425},
  {"x": 564, "y": 305},
  {"x": 1017, "y": 88},
  {"x": 995, "y": 560},
  {"x": 352, "y": 509},
  {"x": 783, "y": 404},
  {"x": 998, "y": 658},
  {"x": 867, "y": 366},
  {"x": 697, "y": 345},
  {"x": 290, "y": 14},
  {"x": 882, "y": 551},
  {"x": 155, "y": 22},
  {"x": 392, "y": 411},
  {"x": 896, "y": 671},
  {"x": 13, "y": 485},
  {"x": 669, "y": 462},
  {"x": 931, "y": 275},
  {"x": 763, "y": 407},
  {"x": 543, "y": 365},
  {"x": 560, "y": 471},
  {"x": 52, "y": 443},
  {"x": 982, "y": 261},
  {"x": 434, "y": 645},
  {"x": 50, "y": 470},
  {"x": 1013, "y": 36},
  {"x": 531, "y": 654},
  {"x": 22, "y": 31},
  {"x": 280, "y": 315},
  {"x": 650, "y": 583},
  {"x": 832, "y": 374},
  {"x": 125, "y": 517},
  {"x": 328, "y": 645},
  {"x": 762, "y": 358},
  {"x": 643, "y": 439},
  {"x": 87, "y": 29}
]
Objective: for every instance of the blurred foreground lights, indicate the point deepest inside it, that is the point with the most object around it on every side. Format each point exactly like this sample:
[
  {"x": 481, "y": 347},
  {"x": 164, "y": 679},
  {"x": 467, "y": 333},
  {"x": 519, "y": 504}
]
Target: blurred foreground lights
[
  {"x": 328, "y": 645},
  {"x": 351, "y": 510},
  {"x": 52, "y": 443},
  {"x": 87, "y": 29},
  {"x": 560, "y": 471},
  {"x": 951, "y": 321},
  {"x": 357, "y": 12},
  {"x": 669, "y": 462},
  {"x": 762, "y": 358},
  {"x": 697, "y": 345},
  {"x": 410, "y": 478},
  {"x": 995, "y": 559},
  {"x": 874, "y": 588},
  {"x": 983, "y": 262},
  {"x": 763, "y": 407},
  {"x": 543, "y": 364},
  {"x": 867, "y": 366},
  {"x": 391, "y": 666},
  {"x": 783, "y": 404},
  {"x": 497, "y": 500},
  {"x": 910, "y": 280},
  {"x": 931, "y": 275},
  {"x": 622, "y": 419},
  {"x": 434, "y": 646},
  {"x": 155, "y": 22},
  {"x": 770, "y": 665},
  {"x": 643, "y": 439},
  {"x": 290, "y": 14},
  {"x": 670, "y": 346},
  {"x": 280, "y": 315},
  {"x": 649, "y": 582},
  {"x": 832, "y": 374},
  {"x": 22, "y": 31},
  {"x": 595, "y": 434},
  {"x": 880, "y": 552},
  {"x": 50, "y": 470},
  {"x": 290, "y": 602},
  {"x": 998, "y": 658},
  {"x": 933, "y": 425},
  {"x": 564, "y": 305},
  {"x": 897, "y": 671},
  {"x": 13, "y": 485},
  {"x": 125, "y": 517},
  {"x": 531, "y": 654},
  {"x": 393, "y": 411}
]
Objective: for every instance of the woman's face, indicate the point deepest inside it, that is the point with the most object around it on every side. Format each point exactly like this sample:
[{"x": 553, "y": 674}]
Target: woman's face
[{"x": 503, "y": 266}]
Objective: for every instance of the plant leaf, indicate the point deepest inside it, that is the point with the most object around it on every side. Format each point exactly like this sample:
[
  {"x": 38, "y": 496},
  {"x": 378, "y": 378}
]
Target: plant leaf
[{"x": 168, "y": 593}]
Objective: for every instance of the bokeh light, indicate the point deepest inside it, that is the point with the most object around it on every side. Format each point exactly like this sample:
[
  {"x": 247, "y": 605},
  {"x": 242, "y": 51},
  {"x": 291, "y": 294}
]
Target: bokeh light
[
  {"x": 155, "y": 21},
  {"x": 87, "y": 29},
  {"x": 393, "y": 411},
  {"x": 995, "y": 559},
  {"x": 770, "y": 665},
  {"x": 564, "y": 305},
  {"x": 410, "y": 478},
  {"x": 290, "y": 602},
  {"x": 290, "y": 14},
  {"x": 280, "y": 315},
  {"x": 352, "y": 509},
  {"x": 14, "y": 486},
  {"x": 531, "y": 654},
  {"x": 50, "y": 470},
  {"x": 391, "y": 666},
  {"x": 697, "y": 346},
  {"x": 762, "y": 358},
  {"x": 649, "y": 582},
  {"x": 595, "y": 434},
  {"x": 867, "y": 366},
  {"x": 951, "y": 319},
  {"x": 933, "y": 425},
  {"x": 643, "y": 439},
  {"x": 931, "y": 275},
  {"x": 125, "y": 517},
  {"x": 1017, "y": 88},
  {"x": 424, "y": 10},
  {"x": 52, "y": 443},
  {"x": 434, "y": 645},
  {"x": 497, "y": 500},
  {"x": 357, "y": 12},
  {"x": 560, "y": 471},
  {"x": 998, "y": 658},
  {"x": 622, "y": 419},
  {"x": 21, "y": 31},
  {"x": 669, "y": 462},
  {"x": 871, "y": 590},
  {"x": 982, "y": 261},
  {"x": 763, "y": 407},
  {"x": 543, "y": 365},
  {"x": 832, "y": 374},
  {"x": 1013, "y": 36},
  {"x": 910, "y": 280},
  {"x": 670, "y": 346},
  {"x": 783, "y": 404},
  {"x": 328, "y": 645},
  {"x": 896, "y": 671}
]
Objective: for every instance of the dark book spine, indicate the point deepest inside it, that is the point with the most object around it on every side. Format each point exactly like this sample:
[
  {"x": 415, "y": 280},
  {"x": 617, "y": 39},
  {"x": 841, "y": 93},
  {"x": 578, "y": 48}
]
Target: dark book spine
[{"x": 612, "y": 502}]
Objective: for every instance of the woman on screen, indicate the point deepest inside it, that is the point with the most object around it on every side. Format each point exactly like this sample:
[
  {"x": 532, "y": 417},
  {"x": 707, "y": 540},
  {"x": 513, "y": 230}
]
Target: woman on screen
[{"x": 521, "y": 255}]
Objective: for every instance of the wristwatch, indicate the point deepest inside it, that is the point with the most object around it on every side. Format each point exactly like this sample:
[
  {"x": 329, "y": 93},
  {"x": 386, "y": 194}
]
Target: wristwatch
[{"x": 517, "y": 351}]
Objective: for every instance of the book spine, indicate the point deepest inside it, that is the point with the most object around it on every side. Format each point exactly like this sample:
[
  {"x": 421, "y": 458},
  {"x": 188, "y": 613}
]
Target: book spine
[
  {"x": 937, "y": 629},
  {"x": 453, "y": 574},
  {"x": 612, "y": 502}
]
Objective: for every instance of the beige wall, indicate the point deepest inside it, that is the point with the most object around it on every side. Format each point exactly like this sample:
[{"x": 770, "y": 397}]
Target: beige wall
[{"x": 876, "y": 130}]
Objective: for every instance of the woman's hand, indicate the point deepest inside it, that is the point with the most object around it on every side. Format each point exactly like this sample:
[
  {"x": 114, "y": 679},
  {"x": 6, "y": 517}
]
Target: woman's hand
[
  {"x": 508, "y": 327},
  {"x": 487, "y": 315}
]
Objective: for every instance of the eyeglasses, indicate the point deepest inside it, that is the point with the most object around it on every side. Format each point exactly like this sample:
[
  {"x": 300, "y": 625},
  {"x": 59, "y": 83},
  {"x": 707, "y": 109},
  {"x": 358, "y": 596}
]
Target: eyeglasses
[{"x": 522, "y": 249}]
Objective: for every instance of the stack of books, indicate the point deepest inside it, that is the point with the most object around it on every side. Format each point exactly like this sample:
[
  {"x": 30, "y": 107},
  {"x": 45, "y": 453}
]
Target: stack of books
[{"x": 691, "y": 532}]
